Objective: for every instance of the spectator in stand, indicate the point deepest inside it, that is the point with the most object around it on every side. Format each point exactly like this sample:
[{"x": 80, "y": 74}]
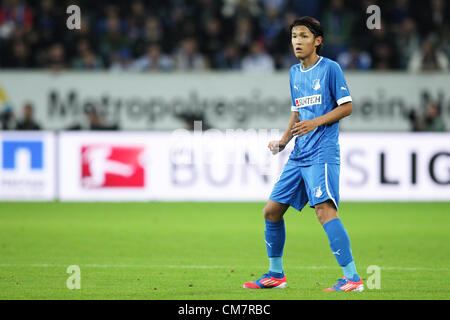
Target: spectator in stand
[
  {"x": 153, "y": 60},
  {"x": 428, "y": 58},
  {"x": 188, "y": 58},
  {"x": 14, "y": 14},
  {"x": 382, "y": 49},
  {"x": 244, "y": 34},
  {"x": 212, "y": 40},
  {"x": 239, "y": 8},
  {"x": 153, "y": 33},
  {"x": 28, "y": 122},
  {"x": 337, "y": 23},
  {"x": 73, "y": 38},
  {"x": 48, "y": 20},
  {"x": 86, "y": 59},
  {"x": 444, "y": 43},
  {"x": 354, "y": 59},
  {"x": 401, "y": 11},
  {"x": 407, "y": 42},
  {"x": 361, "y": 35},
  {"x": 7, "y": 119},
  {"x": 113, "y": 40},
  {"x": 306, "y": 8},
  {"x": 56, "y": 58},
  {"x": 283, "y": 55},
  {"x": 137, "y": 20},
  {"x": 431, "y": 120},
  {"x": 258, "y": 59},
  {"x": 20, "y": 56},
  {"x": 271, "y": 24},
  {"x": 96, "y": 122},
  {"x": 180, "y": 26},
  {"x": 229, "y": 58},
  {"x": 204, "y": 10},
  {"x": 121, "y": 61},
  {"x": 439, "y": 9}
]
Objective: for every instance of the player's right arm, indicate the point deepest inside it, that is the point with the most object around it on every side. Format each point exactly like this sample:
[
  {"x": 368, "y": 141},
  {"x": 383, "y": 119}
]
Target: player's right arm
[{"x": 279, "y": 145}]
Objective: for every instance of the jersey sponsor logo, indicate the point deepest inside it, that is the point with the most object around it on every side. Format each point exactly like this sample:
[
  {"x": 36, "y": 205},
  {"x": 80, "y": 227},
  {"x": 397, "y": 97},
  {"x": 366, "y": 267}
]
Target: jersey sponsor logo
[
  {"x": 106, "y": 166},
  {"x": 308, "y": 101},
  {"x": 316, "y": 84}
]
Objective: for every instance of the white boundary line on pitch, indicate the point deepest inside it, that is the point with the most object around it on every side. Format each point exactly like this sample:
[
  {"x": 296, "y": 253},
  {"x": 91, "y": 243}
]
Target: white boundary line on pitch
[{"x": 106, "y": 266}]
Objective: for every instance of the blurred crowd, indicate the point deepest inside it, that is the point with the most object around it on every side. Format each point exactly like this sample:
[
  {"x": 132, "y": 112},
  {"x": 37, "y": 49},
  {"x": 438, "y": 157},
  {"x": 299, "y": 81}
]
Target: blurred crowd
[
  {"x": 249, "y": 35},
  {"x": 26, "y": 121},
  {"x": 427, "y": 118}
]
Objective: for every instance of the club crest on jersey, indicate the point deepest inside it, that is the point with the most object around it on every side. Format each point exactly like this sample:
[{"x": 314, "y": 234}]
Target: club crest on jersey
[
  {"x": 308, "y": 101},
  {"x": 317, "y": 192},
  {"x": 316, "y": 84}
]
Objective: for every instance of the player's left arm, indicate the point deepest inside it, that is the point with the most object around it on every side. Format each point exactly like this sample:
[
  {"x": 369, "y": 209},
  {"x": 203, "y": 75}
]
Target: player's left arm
[{"x": 339, "y": 90}]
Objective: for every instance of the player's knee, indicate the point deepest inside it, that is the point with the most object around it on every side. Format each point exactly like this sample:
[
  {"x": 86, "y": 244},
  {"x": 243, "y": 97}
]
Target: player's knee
[
  {"x": 266, "y": 213},
  {"x": 271, "y": 214},
  {"x": 325, "y": 212}
]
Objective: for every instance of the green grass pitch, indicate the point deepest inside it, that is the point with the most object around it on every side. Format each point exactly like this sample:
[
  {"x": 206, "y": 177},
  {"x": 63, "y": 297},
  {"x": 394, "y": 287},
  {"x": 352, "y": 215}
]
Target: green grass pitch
[{"x": 201, "y": 251}]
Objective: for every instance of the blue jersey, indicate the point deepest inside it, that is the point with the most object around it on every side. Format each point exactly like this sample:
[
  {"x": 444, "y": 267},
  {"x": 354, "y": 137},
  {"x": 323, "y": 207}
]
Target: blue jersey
[{"x": 316, "y": 91}]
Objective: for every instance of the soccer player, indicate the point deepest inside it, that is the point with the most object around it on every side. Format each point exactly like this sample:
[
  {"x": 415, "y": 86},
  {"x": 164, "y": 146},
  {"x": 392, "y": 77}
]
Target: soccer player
[{"x": 320, "y": 98}]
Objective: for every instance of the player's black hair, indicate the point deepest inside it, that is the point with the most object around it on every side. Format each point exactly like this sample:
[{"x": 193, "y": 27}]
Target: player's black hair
[{"x": 313, "y": 25}]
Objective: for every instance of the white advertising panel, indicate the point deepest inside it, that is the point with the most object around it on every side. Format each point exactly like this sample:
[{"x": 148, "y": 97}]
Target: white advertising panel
[
  {"x": 237, "y": 166},
  {"x": 395, "y": 167},
  {"x": 382, "y": 101},
  {"x": 28, "y": 166}
]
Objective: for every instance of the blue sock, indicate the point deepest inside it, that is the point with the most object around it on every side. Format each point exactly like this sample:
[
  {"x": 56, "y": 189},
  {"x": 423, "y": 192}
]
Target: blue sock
[
  {"x": 275, "y": 237},
  {"x": 350, "y": 271},
  {"x": 276, "y": 264},
  {"x": 340, "y": 246}
]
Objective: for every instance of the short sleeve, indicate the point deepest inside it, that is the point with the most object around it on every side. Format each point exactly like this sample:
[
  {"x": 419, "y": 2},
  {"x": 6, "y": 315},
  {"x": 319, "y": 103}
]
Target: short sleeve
[
  {"x": 338, "y": 85},
  {"x": 291, "y": 84}
]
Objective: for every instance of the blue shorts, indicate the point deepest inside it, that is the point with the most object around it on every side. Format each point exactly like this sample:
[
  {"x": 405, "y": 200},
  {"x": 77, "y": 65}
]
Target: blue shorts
[{"x": 316, "y": 183}]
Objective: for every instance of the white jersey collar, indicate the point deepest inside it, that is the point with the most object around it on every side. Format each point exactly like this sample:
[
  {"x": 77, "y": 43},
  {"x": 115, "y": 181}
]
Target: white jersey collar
[{"x": 312, "y": 67}]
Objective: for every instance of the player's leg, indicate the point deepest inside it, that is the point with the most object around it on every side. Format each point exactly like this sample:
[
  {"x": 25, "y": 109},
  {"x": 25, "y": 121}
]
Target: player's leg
[
  {"x": 340, "y": 246},
  {"x": 323, "y": 184},
  {"x": 275, "y": 234},
  {"x": 288, "y": 191},
  {"x": 275, "y": 237},
  {"x": 338, "y": 237}
]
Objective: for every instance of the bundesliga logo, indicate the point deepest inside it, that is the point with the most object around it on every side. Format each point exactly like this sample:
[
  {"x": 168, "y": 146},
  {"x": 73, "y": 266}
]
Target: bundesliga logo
[{"x": 106, "y": 166}]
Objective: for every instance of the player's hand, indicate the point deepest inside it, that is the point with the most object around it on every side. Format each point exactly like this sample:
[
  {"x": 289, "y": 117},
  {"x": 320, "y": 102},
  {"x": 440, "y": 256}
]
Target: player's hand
[
  {"x": 303, "y": 127},
  {"x": 276, "y": 146}
]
